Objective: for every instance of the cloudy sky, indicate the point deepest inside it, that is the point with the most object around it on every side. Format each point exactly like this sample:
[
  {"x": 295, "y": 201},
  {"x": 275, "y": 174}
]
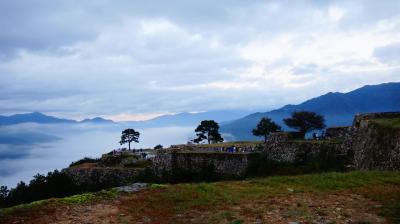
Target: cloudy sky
[{"x": 135, "y": 59}]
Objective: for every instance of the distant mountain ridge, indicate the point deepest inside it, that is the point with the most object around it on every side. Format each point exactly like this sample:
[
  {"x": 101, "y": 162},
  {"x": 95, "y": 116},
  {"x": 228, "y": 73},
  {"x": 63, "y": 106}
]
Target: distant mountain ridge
[
  {"x": 40, "y": 118},
  {"x": 338, "y": 108},
  {"x": 34, "y": 117},
  {"x": 98, "y": 120},
  {"x": 190, "y": 119},
  {"x": 180, "y": 119}
]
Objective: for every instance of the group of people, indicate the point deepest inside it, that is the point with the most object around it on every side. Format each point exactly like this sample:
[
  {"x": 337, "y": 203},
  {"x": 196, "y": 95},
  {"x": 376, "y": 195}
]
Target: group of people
[
  {"x": 234, "y": 149},
  {"x": 140, "y": 152},
  {"x": 238, "y": 149},
  {"x": 318, "y": 136}
]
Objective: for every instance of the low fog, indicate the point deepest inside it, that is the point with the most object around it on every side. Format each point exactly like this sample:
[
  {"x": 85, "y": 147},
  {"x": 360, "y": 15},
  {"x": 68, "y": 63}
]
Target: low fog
[{"x": 28, "y": 149}]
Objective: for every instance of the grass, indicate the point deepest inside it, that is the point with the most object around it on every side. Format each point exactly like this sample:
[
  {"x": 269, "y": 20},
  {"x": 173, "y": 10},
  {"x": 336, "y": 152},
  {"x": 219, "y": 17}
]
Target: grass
[
  {"x": 377, "y": 185},
  {"x": 158, "y": 186},
  {"x": 184, "y": 197},
  {"x": 388, "y": 122},
  {"x": 52, "y": 202},
  {"x": 84, "y": 160},
  {"x": 233, "y": 191},
  {"x": 78, "y": 199}
]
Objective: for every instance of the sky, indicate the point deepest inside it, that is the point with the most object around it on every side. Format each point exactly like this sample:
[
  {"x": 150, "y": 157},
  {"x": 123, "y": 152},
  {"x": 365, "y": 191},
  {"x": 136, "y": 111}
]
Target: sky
[{"x": 132, "y": 60}]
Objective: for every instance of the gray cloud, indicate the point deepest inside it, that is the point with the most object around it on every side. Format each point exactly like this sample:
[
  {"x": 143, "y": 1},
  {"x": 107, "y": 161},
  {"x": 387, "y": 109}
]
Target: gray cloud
[
  {"x": 110, "y": 57},
  {"x": 388, "y": 54}
]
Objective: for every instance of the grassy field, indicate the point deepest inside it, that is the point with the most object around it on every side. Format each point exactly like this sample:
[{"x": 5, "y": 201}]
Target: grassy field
[{"x": 366, "y": 197}]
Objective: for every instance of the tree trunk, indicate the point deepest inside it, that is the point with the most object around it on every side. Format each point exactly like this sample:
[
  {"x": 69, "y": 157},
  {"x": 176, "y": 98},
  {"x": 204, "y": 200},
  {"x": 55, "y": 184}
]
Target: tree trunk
[
  {"x": 208, "y": 138},
  {"x": 303, "y": 133},
  {"x": 265, "y": 138},
  {"x": 129, "y": 145}
]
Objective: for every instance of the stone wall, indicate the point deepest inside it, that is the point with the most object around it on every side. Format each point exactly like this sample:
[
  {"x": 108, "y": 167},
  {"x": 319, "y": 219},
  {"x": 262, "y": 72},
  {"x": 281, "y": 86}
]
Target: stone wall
[
  {"x": 282, "y": 147},
  {"x": 367, "y": 144},
  {"x": 220, "y": 163},
  {"x": 338, "y": 132},
  {"x": 102, "y": 176},
  {"x": 375, "y": 147},
  {"x": 362, "y": 120}
]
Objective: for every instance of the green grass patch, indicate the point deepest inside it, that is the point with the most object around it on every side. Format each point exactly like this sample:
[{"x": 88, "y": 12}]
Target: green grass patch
[
  {"x": 27, "y": 206},
  {"x": 158, "y": 186},
  {"x": 388, "y": 122},
  {"x": 78, "y": 199},
  {"x": 187, "y": 196},
  {"x": 74, "y": 199},
  {"x": 328, "y": 181},
  {"x": 108, "y": 194}
]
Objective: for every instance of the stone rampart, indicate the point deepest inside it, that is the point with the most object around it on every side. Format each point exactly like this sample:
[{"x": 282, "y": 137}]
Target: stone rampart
[
  {"x": 222, "y": 164},
  {"x": 338, "y": 132},
  {"x": 102, "y": 176},
  {"x": 281, "y": 147},
  {"x": 376, "y": 147}
]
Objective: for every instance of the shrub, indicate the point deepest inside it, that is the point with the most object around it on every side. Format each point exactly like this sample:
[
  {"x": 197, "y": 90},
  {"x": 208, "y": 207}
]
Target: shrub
[
  {"x": 84, "y": 160},
  {"x": 54, "y": 184}
]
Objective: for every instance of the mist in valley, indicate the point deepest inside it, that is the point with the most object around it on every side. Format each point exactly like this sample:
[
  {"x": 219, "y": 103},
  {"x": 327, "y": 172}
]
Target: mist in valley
[{"x": 28, "y": 149}]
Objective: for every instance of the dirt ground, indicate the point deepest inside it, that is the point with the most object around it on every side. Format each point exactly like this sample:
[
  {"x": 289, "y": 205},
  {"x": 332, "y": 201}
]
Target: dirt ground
[{"x": 337, "y": 207}]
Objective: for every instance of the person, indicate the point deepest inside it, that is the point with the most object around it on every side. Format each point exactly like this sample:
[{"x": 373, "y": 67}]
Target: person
[{"x": 314, "y": 135}]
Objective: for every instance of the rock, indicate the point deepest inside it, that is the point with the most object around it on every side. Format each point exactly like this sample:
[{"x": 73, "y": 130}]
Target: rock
[
  {"x": 258, "y": 221},
  {"x": 133, "y": 187}
]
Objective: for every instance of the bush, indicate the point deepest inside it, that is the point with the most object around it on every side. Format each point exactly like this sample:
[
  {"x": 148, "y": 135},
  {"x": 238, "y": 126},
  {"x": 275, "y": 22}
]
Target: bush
[
  {"x": 84, "y": 160},
  {"x": 54, "y": 184},
  {"x": 158, "y": 147}
]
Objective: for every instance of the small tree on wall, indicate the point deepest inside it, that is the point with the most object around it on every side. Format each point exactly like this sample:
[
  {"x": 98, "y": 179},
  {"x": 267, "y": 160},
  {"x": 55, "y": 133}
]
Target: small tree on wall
[
  {"x": 265, "y": 127},
  {"x": 305, "y": 121},
  {"x": 129, "y": 135},
  {"x": 159, "y": 146},
  {"x": 208, "y": 130}
]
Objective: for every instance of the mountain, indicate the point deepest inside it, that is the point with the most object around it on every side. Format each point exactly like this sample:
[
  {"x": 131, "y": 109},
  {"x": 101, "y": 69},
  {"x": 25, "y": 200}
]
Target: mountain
[
  {"x": 40, "y": 118},
  {"x": 181, "y": 119},
  {"x": 97, "y": 120},
  {"x": 189, "y": 119},
  {"x": 338, "y": 109},
  {"x": 34, "y": 117}
]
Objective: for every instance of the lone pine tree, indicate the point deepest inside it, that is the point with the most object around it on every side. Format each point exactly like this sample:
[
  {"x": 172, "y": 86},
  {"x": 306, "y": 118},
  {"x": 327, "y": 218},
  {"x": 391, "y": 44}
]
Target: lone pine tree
[
  {"x": 129, "y": 135},
  {"x": 208, "y": 130}
]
